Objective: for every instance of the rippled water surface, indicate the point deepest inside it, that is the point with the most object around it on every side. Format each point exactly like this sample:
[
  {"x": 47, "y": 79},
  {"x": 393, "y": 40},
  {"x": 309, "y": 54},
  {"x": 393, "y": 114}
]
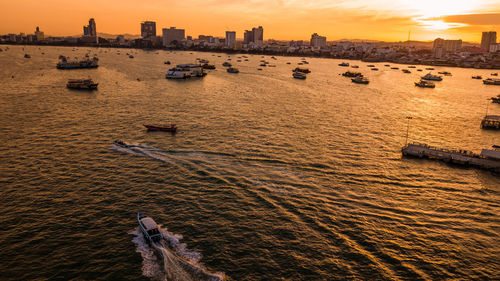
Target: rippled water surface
[{"x": 268, "y": 177}]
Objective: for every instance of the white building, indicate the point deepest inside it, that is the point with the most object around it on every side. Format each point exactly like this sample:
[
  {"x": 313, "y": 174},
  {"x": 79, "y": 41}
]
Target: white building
[{"x": 318, "y": 42}]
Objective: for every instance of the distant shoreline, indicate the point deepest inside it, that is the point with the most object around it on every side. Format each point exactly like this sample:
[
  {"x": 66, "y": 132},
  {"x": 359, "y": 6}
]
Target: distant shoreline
[{"x": 251, "y": 52}]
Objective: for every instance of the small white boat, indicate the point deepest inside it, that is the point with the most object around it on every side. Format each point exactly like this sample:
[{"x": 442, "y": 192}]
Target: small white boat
[{"x": 149, "y": 228}]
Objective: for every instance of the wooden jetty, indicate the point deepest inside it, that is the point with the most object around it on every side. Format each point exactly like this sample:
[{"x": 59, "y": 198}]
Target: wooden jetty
[
  {"x": 491, "y": 122},
  {"x": 488, "y": 159}
]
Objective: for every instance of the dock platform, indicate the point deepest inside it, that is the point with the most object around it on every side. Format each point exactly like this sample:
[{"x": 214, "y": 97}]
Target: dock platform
[{"x": 489, "y": 159}]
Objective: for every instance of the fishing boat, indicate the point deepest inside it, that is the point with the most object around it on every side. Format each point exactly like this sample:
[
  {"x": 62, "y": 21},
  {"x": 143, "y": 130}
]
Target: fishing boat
[
  {"x": 491, "y": 81},
  {"x": 167, "y": 128},
  {"x": 81, "y": 84},
  {"x": 299, "y": 75},
  {"x": 425, "y": 84},
  {"x": 360, "y": 80},
  {"x": 303, "y": 70},
  {"x": 432, "y": 77},
  {"x": 149, "y": 228},
  {"x": 233, "y": 70},
  {"x": 352, "y": 74}
]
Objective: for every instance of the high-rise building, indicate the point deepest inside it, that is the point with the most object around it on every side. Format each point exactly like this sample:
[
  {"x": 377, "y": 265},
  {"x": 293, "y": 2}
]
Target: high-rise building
[
  {"x": 488, "y": 38},
  {"x": 318, "y": 41},
  {"x": 247, "y": 37},
  {"x": 148, "y": 29},
  {"x": 258, "y": 36},
  {"x": 172, "y": 34},
  {"x": 40, "y": 36},
  {"x": 447, "y": 46},
  {"x": 230, "y": 39},
  {"x": 90, "y": 32}
]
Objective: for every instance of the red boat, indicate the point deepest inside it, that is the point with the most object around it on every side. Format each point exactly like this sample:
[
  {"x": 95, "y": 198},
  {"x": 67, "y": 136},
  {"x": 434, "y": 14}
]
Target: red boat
[{"x": 170, "y": 128}]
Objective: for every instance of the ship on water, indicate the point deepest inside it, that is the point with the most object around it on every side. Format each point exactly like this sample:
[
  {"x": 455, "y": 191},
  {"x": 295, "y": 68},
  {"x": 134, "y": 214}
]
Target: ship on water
[{"x": 85, "y": 63}]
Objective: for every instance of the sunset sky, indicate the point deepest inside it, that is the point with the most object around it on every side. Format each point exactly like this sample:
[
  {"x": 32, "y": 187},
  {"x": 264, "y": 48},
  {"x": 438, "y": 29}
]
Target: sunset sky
[{"x": 388, "y": 20}]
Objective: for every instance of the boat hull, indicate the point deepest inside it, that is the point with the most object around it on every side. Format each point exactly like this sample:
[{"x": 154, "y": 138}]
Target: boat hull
[{"x": 171, "y": 128}]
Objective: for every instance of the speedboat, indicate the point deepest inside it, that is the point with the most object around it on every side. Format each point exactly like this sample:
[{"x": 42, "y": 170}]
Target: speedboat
[
  {"x": 149, "y": 228},
  {"x": 233, "y": 70},
  {"x": 360, "y": 80},
  {"x": 432, "y": 77},
  {"x": 303, "y": 70},
  {"x": 299, "y": 75},
  {"x": 425, "y": 84},
  {"x": 121, "y": 143},
  {"x": 491, "y": 81},
  {"x": 167, "y": 128}
]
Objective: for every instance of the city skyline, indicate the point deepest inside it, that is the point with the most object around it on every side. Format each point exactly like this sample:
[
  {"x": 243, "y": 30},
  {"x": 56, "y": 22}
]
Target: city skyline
[{"x": 283, "y": 20}]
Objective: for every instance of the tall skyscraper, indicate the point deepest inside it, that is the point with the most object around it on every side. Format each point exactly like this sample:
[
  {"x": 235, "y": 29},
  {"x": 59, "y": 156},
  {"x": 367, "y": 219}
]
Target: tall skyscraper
[
  {"x": 488, "y": 39},
  {"x": 40, "y": 36},
  {"x": 90, "y": 32},
  {"x": 230, "y": 39},
  {"x": 148, "y": 29},
  {"x": 247, "y": 37},
  {"x": 258, "y": 36},
  {"x": 318, "y": 41},
  {"x": 172, "y": 34}
]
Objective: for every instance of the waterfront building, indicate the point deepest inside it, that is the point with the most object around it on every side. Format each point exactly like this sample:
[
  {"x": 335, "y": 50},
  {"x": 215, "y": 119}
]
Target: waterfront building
[
  {"x": 90, "y": 32},
  {"x": 446, "y": 46},
  {"x": 488, "y": 38},
  {"x": 317, "y": 41},
  {"x": 40, "y": 36},
  {"x": 148, "y": 29},
  {"x": 258, "y": 36},
  {"x": 494, "y": 48},
  {"x": 230, "y": 39},
  {"x": 172, "y": 34},
  {"x": 247, "y": 37}
]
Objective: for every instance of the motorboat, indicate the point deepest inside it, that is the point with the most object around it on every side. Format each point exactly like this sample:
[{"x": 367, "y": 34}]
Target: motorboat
[
  {"x": 477, "y": 77},
  {"x": 432, "y": 77},
  {"x": 149, "y": 228},
  {"x": 360, "y": 80},
  {"x": 406, "y": 71},
  {"x": 233, "y": 70},
  {"x": 131, "y": 56},
  {"x": 412, "y": 66},
  {"x": 299, "y": 75},
  {"x": 445, "y": 73},
  {"x": 82, "y": 84},
  {"x": 27, "y": 56},
  {"x": 122, "y": 144},
  {"x": 303, "y": 70},
  {"x": 167, "y": 128},
  {"x": 495, "y": 99},
  {"x": 491, "y": 81},
  {"x": 374, "y": 68},
  {"x": 208, "y": 66},
  {"x": 227, "y": 64},
  {"x": 355, "y": 66},
  {"x": 183, "y": 71},
  {"x": 86, "y": 63},
  {"x": 429, "y": 68},
  {"x": 388, "y": 65},
  {"x": 352, "y": 74},
  {"x": 395, "y": 68},
  {"x": 494, "y": 74},
  {"x": 419, "y": 69},
  {"x": 167, "y": 62},
  {"x": 425, "y": 84},
  {"x": 344, "y": 64},
  {"x": 370, "y": 65}
]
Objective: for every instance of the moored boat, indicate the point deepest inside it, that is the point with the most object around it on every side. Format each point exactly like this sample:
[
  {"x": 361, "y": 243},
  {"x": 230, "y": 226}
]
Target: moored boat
[
  {"x": 360, "y": 80},
  {"x": 149, "y": 228},
  {"x": 167, "y": 128},
  {"x": 227, "y": 64},
  {"x": 495, "y": 99},
  {"x": 406, "y": 71},
  {"x": 491, "y": 81},
  {"x": 299, "y": 75},
  {"x": 344, "y": 64},
  {"x": 425, "y": 84},
  {"x": 352, "y": 74},
  {"x": 432, "y": 77},
  {"x": 477, "y": 77},
  {"x": 82, "y": 84},
  {"x": 233, "y": 70},
  {"x": 303, "y": 70},
  {"x": 27, "y": 56},
  {"x": 86, "y": 63}
]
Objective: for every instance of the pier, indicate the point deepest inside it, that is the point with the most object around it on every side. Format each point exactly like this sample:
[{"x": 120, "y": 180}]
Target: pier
[
  {"x": 488, "y": 159},
  {"x": 491, "y": 122}
]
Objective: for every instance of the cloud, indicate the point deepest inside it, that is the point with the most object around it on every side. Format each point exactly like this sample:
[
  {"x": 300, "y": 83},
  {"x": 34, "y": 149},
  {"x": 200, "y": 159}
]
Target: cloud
[{"x": 472, "y": 19}]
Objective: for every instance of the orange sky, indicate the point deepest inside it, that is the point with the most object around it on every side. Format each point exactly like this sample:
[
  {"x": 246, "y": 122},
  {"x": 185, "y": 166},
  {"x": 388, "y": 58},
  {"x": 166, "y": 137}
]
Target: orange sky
[{"x": 388, "y": 20}]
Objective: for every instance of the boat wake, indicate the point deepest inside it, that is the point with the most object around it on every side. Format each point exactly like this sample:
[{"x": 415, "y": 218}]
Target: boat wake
[{"x": 171, "y": 260}]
